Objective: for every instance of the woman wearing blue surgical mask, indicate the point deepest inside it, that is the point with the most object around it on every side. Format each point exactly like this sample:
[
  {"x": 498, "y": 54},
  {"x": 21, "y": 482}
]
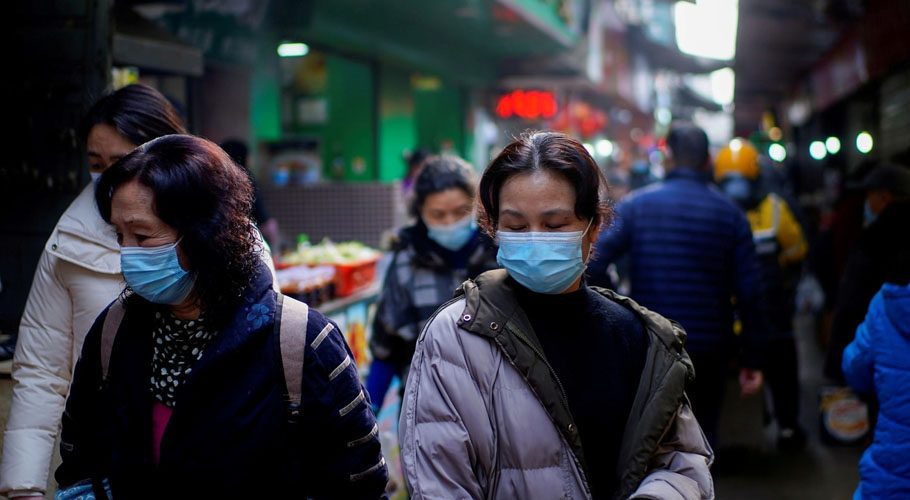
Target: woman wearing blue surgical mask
[
  {"x": 201, "y": 380},
  {"x": 530, "y": 384},
  {"x": 429, "y": 260},
  {"x": 78, "y": 275}
]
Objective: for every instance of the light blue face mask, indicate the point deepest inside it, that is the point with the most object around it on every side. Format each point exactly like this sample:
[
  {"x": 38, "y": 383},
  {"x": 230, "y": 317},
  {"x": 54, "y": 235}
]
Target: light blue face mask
[
  {"x": 95, "y": 177},
  {"x": 543, "y": 262},
  {"x": 737, "y": 188},
  {"x": 155, "y": 273},
  {"x": 455, "y": 235}
]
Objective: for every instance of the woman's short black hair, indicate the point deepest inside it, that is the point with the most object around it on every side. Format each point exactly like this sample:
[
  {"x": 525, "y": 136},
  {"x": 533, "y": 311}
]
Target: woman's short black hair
[
  {"x": 137, "y": 112},
  {"x": 441, "y": 173},
  {"x": 557, "y": 153},
  {"x": 199, "y": 191}
]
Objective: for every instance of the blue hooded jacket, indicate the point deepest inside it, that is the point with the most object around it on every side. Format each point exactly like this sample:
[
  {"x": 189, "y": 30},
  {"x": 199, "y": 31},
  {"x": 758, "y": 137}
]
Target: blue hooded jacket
[{"x": 878, "y": 360}]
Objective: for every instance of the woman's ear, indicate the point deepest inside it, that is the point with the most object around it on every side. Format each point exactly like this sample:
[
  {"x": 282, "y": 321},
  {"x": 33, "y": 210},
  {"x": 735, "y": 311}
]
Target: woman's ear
[{"x": 591, "y": 240}]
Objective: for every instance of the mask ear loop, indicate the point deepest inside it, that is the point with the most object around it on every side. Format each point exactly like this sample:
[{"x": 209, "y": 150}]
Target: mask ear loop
[
  {"x": 590, "y": 250},
  {"x": 590, "y": 222}
]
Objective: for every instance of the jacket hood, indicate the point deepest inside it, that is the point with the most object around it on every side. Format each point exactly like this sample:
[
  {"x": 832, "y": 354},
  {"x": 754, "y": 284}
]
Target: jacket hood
[
  {"x": 83, "y": 238},
  {"x": 897, "y": 306}
]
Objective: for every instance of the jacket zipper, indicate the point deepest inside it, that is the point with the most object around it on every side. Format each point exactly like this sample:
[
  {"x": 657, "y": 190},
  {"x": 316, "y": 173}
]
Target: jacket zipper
[
  {"x": 562, "y": 392},
  {"x": 518, "y": 333}
]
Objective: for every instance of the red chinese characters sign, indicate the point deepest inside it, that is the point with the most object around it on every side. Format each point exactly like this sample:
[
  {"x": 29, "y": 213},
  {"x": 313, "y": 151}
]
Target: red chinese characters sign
[{"x": 527, "y": 104}]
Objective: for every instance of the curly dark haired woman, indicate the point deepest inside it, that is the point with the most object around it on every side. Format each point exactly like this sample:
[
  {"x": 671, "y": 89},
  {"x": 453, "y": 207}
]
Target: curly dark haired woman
[{"x": 193, "y": 393}]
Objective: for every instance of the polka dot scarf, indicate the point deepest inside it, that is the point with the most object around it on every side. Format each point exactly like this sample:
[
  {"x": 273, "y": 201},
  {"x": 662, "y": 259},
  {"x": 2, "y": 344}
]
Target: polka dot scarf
[{"x": 178, "y": 344}]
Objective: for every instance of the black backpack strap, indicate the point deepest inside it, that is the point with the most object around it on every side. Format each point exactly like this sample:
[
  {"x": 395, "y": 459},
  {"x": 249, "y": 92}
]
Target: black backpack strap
[
  {"x": 292, "y": 326},
  {"x": 109, "y": 332}
]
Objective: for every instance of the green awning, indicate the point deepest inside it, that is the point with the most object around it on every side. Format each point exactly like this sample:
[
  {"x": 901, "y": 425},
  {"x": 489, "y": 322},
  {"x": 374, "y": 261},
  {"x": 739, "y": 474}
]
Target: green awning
[{"x": 463, "y": 41}]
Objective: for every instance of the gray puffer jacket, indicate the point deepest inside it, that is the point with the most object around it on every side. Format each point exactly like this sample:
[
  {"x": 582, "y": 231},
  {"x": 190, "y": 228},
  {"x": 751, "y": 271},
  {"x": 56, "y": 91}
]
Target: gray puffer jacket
[{"x": 484, "y": 415}]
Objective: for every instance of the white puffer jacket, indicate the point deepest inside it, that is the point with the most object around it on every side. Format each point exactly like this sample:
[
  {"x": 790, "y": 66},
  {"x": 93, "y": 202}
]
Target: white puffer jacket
[{"x": 77, "y": 277}]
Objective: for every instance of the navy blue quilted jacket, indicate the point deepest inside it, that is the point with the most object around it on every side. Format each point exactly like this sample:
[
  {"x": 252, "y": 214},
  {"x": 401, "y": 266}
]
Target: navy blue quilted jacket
[
  {"x": 690, "y": 253},
  {"x": 230, "y": 435}
]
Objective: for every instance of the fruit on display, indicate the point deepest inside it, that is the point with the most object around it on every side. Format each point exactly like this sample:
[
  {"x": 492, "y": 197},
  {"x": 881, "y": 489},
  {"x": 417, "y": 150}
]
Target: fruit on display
[
  {"x": 353, "y": 262},
  {"x": 330, "y": 253}
]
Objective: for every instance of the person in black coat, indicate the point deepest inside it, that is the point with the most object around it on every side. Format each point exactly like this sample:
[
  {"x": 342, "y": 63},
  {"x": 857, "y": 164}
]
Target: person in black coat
[
  {"x": 882, "y": 256},
  {"x": 194, "y": 399}
]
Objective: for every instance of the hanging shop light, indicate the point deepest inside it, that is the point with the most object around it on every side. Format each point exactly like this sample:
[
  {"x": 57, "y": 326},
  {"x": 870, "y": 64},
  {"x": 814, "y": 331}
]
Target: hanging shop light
[
  {"x": 832, "y": 144},
  {"x": 604, "y": 148},
  {"x": 817, "y": 150},
  {"x": 777, "y": 152},
  {"x": 864, "y": 142}
]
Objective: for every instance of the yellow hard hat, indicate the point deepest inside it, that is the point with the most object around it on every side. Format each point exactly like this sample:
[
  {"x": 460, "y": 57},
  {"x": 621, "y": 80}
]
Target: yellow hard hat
[{"x": 738, "y": 157}]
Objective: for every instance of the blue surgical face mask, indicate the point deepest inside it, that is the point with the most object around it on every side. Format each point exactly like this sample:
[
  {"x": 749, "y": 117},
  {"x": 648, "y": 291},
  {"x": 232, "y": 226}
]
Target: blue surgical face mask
[
  {"x": 453, "y": 236},
  {"x": 155, "y": 273},
  {"x": 738, "y": 189},
  {"x": 95, "y": 177},
  {"x": 543, "y": 262},
  {"x": 868, "y": 215}
]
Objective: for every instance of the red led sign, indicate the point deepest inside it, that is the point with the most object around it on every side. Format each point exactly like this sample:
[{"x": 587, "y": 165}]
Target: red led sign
[{"x": 527, "y": 104}]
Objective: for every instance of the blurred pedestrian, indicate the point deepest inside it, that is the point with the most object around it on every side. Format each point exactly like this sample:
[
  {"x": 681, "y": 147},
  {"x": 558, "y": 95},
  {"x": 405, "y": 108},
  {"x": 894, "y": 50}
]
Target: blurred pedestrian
[
  {"x": 186, "y": 385},
  {"x": 881, "y": 256},
  {"x": 430, "y": 259},
  {"x": 641, "y": 174},
  {"x": 533, "y": 385},
  {"x": 414, "y": 161},
  {"x": 690, "y": 255},
  {"x": 780, "y": 247},
  {"x": 240, "y": 153},
  {"x": 876, "y": 363},
  {"x": 78, "y": 275}
]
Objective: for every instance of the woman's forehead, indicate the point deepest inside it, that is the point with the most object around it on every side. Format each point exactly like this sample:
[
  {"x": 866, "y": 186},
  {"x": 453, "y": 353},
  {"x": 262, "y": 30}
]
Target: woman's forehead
[
  {"x": 540, "y": 189},
  {"x": 132, "y": 202}
]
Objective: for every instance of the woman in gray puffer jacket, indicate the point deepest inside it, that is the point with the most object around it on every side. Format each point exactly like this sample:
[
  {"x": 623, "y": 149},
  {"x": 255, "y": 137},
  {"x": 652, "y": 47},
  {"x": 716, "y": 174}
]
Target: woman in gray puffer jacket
[{"x": 530, "y": 384}]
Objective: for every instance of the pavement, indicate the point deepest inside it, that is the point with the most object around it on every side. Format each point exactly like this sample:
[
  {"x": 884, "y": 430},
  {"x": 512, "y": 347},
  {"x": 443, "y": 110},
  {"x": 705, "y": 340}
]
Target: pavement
[{"x": 749, "y": 467}]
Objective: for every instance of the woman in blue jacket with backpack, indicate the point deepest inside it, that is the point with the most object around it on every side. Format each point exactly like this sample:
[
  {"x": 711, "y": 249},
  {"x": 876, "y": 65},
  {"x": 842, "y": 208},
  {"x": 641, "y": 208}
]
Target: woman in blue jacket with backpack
[
  {"x": 878, "y": 362},
  {"x": 201, "y": 380}
]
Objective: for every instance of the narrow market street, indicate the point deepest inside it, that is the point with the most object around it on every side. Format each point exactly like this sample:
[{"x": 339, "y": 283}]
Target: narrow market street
[{"x": 457, "y": 249}]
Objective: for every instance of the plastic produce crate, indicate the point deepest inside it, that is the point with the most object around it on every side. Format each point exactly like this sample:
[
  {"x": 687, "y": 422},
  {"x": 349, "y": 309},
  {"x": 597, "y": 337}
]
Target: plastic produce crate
[{"x": 354, "y": 277}]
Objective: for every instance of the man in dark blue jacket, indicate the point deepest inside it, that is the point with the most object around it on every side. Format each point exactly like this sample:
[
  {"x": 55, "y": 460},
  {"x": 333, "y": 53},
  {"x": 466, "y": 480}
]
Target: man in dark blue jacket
[{"x": 692, "y": 259}]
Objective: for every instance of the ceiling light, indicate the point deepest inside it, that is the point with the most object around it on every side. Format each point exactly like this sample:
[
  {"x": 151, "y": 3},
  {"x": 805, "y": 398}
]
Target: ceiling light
[
  {"x": 817, "y": 150},
  {"x": 604, "y": 148},
  {"x": 777, "y": 152},
  {"x": 293, "y": 49},
  {"x": 864, "y": 142}
]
